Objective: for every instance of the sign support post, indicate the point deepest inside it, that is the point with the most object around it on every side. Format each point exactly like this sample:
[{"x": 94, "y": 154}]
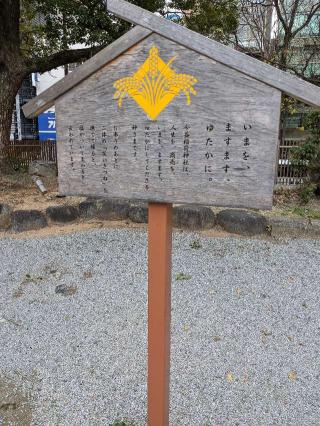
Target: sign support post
[{"x": 159, "y": 312}]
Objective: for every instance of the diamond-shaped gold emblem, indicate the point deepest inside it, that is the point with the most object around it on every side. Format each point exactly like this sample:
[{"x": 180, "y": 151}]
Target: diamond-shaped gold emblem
[{"x": 155, "y": 85}]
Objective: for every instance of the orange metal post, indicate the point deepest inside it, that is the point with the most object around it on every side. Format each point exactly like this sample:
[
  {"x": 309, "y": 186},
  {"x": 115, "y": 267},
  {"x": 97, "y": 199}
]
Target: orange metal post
[{"x": 159, "y": 312}]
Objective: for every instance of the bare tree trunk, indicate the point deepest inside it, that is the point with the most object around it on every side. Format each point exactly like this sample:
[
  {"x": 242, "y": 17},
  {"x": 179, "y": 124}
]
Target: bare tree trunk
[
  {"x": 9, "y": 86},
  {"x": 11, "y": 65}
]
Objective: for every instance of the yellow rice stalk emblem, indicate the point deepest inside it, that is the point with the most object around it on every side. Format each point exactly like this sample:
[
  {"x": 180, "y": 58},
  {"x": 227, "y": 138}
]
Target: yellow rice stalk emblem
[{"x": 155, "y": 85}]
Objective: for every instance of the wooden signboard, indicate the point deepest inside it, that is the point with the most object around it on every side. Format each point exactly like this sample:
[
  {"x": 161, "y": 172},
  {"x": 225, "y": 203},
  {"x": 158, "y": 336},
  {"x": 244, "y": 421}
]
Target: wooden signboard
[
  {"x": 168, "y": 116},
  {"x": 164, "y": 123}
]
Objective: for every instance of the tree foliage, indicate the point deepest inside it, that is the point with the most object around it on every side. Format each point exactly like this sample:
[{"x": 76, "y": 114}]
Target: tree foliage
[
  {"x": 40, "y": 35},
  {"x": 214, "y": 18},
  {"x": 306, "y": 158},
  {"x": 51, "y": 26}
]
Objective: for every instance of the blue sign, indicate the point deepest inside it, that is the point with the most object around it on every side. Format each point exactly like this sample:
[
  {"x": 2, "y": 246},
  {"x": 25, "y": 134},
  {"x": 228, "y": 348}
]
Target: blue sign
[
  {"x": 174, "y": 16},
  {"x": 47, "y": 125}
]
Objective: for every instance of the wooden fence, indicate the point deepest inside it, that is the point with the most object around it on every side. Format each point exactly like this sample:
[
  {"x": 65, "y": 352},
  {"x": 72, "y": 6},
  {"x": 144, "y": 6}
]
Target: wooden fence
[
  {"x": 287, "y": 174},
  {"x": 19, "y": 154}
]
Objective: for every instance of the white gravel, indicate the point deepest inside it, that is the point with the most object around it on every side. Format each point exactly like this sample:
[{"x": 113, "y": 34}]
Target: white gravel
[{"x": 245, "y": 332}]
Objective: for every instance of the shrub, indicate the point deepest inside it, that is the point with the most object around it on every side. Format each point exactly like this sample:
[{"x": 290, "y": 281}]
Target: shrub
[{"x": 306, "y": 158}]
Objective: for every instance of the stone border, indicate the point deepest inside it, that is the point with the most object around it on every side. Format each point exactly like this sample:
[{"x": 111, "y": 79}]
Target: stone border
[{"x": 188, "y": 217}]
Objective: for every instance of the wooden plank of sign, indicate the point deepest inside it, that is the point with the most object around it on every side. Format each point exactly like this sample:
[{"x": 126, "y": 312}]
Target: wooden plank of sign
[
  {"x": 268, "y": 74},
  {"x": 46, "y": 99},
  {"x": 219, "y": 150}
]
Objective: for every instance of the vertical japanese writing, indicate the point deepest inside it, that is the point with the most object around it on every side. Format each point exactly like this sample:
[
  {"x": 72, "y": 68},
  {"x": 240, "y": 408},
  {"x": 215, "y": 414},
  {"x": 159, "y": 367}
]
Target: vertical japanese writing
[
  {"x": 186, "y": 148},
  {"x": 173, "y": 155},
  {"x": 172, "y": 162},
  {"x": 173, "y": 134},
  {"x": 160, "y": 166},
  {"x": 134, "y": 143},
  {"x": 208, "y": 167},
  {"x": 155, "y": 158},
  {"x": 104, "y": 142},
  {"x": 227, "y": 140},
  {"x": 81, "y": 146},
  {"x": 71, "y": 140},
  {"x": 115, "y": 147},
  {"x": 246, "y": 144},
  {"x": 93, "y": 144},
  {"x": 159, "y": 134},
  {"x": 147, "y": 160}
]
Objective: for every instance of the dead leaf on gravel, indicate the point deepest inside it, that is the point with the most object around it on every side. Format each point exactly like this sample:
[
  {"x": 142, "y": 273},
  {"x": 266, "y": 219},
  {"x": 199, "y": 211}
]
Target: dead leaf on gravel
[
  {"x": 66, "y": 290},
  {"x": 239, "y": 292},
  {"x": 292, "y": 376},
  {"x": 265, "y": 334},
  {"x": 230, "y": 377}
]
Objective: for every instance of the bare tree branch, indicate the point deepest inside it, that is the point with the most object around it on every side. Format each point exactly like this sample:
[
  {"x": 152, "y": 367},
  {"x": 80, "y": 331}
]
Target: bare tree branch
[
  {"x": 61, "y": 58},
  {"x": 279, "y": 15},
  {"x": 312, "y": 13},
  {"x": 284, "y": 48},
  {"x": 293, "y": 14}
]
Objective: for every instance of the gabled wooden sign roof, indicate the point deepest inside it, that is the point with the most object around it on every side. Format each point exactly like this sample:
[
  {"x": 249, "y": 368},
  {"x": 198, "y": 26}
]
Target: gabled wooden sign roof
[{"x": 148, "y": 23}]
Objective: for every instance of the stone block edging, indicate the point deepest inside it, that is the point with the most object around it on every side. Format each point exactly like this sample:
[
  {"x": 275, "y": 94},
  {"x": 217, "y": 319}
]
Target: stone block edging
[{"x": 188, "y": 217}]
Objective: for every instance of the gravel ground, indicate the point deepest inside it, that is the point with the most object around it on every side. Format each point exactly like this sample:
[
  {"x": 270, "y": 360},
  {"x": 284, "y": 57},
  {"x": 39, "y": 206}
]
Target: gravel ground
[{"x": 245, "y": 332}]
